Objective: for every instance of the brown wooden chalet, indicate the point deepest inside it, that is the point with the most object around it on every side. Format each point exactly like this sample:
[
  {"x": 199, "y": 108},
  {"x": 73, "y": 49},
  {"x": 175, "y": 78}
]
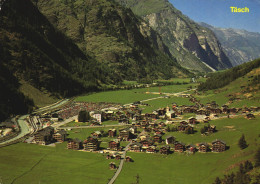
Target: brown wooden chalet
[
  {"x": 157, "y": 138},
  {"x": 250, "y": 116},
  {"x": 179, "y": 147},
  {"x": 91, "y": 144},
  {"x": 128, "y": 159},
  {"x": 74, "y": 144},
  {"x": 170, "y": 139},
  {"x": 96, "y": 134},
  {"x": 218, "y": 146},
  {"x": 125, "y": 134},
  {"x": 165, "y": 150},
  {"x": 60, "y": 136},
  {"x": 44, "y": 136},
  {"x": 108, "y": 157},
  {"x": 203, "y": 147},
  {"x": 118, "y": 157},
  {"x": 161, "y": 112},
  {"x": 114, "y": 145},
  {"x": 112, "y": 133},
  {"x": 112, "y": 165},
  {"x": 193, "y": 121},
  {"x": 151, "y": 149},
  {"x": 191, "y": 148},
  {"x": 135, "y": 147},
  {"x": 146, "y": 143}
]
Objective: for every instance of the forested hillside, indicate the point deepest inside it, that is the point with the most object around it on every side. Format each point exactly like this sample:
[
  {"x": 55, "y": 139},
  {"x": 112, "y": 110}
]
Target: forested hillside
[
  {"x": 221, "y": 79},
  {"x": 32, "y": 50},
  {"x": 114, "y": 36}
]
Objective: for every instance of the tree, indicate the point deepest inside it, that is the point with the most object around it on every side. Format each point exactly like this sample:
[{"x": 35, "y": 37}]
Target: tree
[
  {"x": 242, "y": 142},
  {"x": 257, "y": 158},
  {"x": 217, "y": 181},
  {"x": 83, "y": 116}
]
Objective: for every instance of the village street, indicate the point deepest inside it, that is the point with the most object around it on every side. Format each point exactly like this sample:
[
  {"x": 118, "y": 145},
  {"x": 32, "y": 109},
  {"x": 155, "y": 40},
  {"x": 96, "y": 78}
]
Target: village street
[{"x": 120, "y": 165}]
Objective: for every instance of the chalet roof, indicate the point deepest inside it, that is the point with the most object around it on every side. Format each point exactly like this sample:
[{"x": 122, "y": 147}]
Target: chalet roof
[
  {"x": 218, "y": 140},
  {"x": 203, "y": 143},
  {"x": 169, "y": 136},
  {"x": 179, "y": 143},
  {"x": 62, "y": 132},
  {"x": 136, "y": 144},
  {"x": 76, "y": 140}
]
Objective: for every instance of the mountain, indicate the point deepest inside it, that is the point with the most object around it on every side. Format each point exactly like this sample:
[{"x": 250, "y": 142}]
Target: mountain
[
  {"x": 35, "y": 54},
  {"x": 239, "y": 45},
  {"x": 114, "y": 36},
  {"x": 194, "y": 46},
  {"x": 221, "y": 79}
]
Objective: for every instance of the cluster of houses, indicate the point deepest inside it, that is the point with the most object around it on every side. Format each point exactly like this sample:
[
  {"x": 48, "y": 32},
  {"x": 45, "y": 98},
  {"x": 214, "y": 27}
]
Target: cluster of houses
[
  {"x": 148, "y": 146},
  {"x": 48, "y": 135}
]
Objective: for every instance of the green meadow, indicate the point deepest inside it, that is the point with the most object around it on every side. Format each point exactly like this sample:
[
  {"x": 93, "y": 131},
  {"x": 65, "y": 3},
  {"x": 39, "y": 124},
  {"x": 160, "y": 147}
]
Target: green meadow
[
  {"x": 33, "y": 164},
  {"x": 200, "y": 168},
  {"x": 129, "y": 96}
]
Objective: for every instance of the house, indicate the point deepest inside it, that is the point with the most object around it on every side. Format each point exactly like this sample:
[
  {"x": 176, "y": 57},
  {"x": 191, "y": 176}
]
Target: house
[
  {"x": 203, "y": 147},
  {"x": 157, "y": 138},
  {"x": 60, "y": 136},
  {"x": 96, "y": 134},
  {"x": 180, "y": 147},
  {"x": 114, "y": 145},
  {"x": 112, "y": 165},
  {"x": 191, "y": 148},
  {"x": 165, "y": 150},
  {"x": 192, "y": 121},
  {"x": 44, "y": 136},
  {"x": 125, "y": 134},
  {"x": 151, "y": 149},
  {"x": 109, "y": 157},
  {"x": 249, "y": 116},
  {"x": 91, "y": 144},
  {"x": 118, "y": 157},
  {"x": 112, "y": 133},
  {"x": 135, "y": 147},
  {"x": 169, "y": 139},
  {"x": 218, "y": 146},
  {"x": 146, "y": 143},
  {"x": 74, "y": 144},
  {"x": 128, "y": 159}
]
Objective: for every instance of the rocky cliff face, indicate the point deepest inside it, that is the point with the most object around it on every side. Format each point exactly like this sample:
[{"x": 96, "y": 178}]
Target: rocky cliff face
[
  {"x": 114, "y": 36},
  {"x": 239, "y": 45},
  {"x": 189, "y": 42}
]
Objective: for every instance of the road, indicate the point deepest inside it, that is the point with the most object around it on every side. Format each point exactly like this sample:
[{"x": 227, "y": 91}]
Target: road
[
  {"x": 120, "y": 165},
  {"x": 25, "y": 127}
]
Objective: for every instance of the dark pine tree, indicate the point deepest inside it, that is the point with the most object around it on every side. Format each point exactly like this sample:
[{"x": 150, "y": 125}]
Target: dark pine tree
[{"x": 242, "y": 142}]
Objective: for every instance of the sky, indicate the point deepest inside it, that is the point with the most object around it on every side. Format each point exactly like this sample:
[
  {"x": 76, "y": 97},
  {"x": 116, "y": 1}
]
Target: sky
[{"x": 218, "y": 13}]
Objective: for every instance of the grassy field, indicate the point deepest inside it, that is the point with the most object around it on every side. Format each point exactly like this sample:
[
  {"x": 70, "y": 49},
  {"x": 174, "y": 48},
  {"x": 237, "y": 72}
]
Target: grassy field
[
  {"x": 33, "y": 164},
  {"x": 129, "y": 96},
  {"x": 200, "y": 168}
]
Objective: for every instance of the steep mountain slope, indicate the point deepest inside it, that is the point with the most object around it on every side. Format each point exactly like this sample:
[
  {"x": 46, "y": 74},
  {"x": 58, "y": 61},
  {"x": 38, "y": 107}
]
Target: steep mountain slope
[
  {"x": 188, "y": 41},
  {"x": 114, "y": 36},
  {"x": 221, "y": 79},
  {"x": 34, "y": 52},
  {"x": 239, "y": 45}
]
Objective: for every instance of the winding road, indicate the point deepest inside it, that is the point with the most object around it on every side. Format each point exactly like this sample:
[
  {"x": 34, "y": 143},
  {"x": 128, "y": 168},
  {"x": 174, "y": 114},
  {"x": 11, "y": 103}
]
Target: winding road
[{"x": 25, "y": 127}]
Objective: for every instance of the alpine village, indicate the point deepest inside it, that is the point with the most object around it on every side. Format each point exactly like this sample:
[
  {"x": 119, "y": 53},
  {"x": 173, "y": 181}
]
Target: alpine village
[{"x": 125, "y": 92}]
